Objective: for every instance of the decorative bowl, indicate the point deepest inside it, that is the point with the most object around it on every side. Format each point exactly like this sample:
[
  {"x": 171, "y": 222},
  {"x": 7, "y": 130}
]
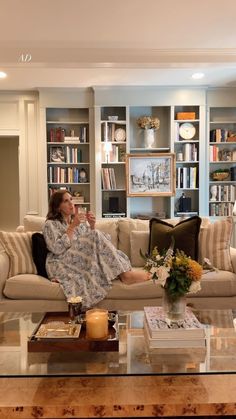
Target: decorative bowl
[{"x": 220, "y": 175}]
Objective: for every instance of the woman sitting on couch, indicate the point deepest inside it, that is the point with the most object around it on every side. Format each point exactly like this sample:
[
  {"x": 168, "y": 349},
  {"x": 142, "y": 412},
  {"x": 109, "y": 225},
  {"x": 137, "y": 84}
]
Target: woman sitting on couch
[{"x": 83, "y": 259}]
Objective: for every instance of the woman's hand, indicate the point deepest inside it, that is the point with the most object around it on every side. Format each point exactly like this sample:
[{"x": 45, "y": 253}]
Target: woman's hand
[
  {"x": 79, "y": 218},
  {"x": 91, "y": 220}
]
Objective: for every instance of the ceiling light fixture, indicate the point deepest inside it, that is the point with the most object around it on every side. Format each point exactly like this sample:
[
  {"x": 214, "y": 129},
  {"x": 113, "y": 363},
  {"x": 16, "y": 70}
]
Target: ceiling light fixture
[
  {"x": 197, "y": 76},
  {"x": 25, "y": 58},
  {"x": 2, "y": 75}
]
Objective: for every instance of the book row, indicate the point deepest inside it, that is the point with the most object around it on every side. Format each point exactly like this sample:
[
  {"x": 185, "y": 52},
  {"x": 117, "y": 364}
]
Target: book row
[
  {"x": 189, "y": 152},
  {"x": 67, "y": 175},
  {"x": 217, "y": 154},
  {"x": 65, "y": 154},
  {"x": 223, "y": 193},
  {"x": 186, "y": 177},
  {"x": 221, "y": 209},
  {"x": 108, "y": 178},
  {"x": 220, "y": 135},
  {"x": 60, "y": 134}
]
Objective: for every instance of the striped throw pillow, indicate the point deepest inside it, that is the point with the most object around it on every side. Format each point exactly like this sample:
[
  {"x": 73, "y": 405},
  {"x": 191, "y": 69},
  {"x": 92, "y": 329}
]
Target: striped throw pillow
[
  {"x": 214, "y": 244},
  {"x": 19, "y": 249}
]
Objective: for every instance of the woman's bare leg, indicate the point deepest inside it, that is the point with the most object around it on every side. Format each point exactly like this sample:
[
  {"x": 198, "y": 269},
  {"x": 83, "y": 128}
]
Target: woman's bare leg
[{"x": 132, "y": 277}]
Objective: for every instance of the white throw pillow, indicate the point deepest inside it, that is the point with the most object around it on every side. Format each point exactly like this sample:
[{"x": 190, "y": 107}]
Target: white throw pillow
[
  {"x": 18, "y": 246},
  {"x": 126, "y": 225},
  {"x": 109, "y": 226},
  {"x": 33, "y": 223},
  {"x": 214, "y": 243},
  {"x": 139, "y": 240}
]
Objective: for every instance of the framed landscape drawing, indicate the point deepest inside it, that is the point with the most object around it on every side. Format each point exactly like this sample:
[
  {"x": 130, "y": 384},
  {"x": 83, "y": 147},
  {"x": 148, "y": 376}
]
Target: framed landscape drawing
[{"x": 150, "y": 174}]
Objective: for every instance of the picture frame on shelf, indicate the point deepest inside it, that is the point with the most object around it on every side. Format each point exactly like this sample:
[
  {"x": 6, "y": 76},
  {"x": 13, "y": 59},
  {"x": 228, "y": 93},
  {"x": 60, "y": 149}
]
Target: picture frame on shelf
[
  {"x": 150, "y": 174},
  {"x": 57, "y": 154}
]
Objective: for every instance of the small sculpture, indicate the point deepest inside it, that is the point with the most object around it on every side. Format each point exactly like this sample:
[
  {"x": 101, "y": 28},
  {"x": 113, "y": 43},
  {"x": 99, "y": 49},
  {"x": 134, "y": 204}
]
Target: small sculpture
[{"x": 213, "y": 192}]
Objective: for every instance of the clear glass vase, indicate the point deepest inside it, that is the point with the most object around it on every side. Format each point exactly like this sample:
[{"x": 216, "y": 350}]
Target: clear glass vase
[
  {"x": 174, "y": 308},
  {"x": 74, "y": 312}
]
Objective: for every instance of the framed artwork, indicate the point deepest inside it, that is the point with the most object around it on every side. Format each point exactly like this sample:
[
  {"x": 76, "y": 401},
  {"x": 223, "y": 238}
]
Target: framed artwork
[
  {"x": 150, "y": 174},
  {"x": 57, "y": 154}
]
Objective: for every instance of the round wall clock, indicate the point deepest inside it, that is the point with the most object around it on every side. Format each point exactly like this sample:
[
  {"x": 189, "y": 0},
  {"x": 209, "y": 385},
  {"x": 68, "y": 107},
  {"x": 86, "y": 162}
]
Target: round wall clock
[{"x": 187, "y": 131}]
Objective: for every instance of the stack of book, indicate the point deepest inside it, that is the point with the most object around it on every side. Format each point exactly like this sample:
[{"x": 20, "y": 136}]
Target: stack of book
[
  {"x": 160, "y": 334},
  {"x": 108, "y": 178}
]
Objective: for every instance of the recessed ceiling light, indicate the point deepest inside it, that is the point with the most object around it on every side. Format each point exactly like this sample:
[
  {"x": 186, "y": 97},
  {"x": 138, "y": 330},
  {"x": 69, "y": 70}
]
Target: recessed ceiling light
[
  {"x": 197, "y": 76},
  {"x": 2, "y": 75}
]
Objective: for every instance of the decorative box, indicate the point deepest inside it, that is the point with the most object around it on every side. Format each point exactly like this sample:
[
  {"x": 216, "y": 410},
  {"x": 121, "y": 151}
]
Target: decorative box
[
  {"x": 231, "y": 139},
  {"x": 186, "y": 115}
]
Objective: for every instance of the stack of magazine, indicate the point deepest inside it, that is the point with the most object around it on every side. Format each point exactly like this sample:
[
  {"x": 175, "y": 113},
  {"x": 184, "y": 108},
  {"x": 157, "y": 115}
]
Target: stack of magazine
[{"x": 159, "y": 333}]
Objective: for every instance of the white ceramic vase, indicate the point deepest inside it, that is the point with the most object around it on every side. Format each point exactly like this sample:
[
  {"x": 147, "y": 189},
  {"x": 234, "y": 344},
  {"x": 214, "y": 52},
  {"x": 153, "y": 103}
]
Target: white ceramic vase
[{"x": 149, "y": 138}]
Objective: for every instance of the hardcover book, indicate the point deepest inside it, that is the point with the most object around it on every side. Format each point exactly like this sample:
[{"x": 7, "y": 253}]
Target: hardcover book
[
  {"x": 174, "y": 341},
  {"x": 159, "y": 328}
]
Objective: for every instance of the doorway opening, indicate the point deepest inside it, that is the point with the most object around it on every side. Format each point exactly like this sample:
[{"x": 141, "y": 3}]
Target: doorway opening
[{"x": 9, "y": 175}]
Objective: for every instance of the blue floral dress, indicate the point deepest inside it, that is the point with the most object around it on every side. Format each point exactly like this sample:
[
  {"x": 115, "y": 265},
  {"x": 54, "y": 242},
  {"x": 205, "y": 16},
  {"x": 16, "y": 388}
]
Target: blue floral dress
[{"x": 84, "y": 265}]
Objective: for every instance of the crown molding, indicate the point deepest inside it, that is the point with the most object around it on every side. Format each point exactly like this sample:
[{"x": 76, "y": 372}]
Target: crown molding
[{"x": 118, "y": 57}]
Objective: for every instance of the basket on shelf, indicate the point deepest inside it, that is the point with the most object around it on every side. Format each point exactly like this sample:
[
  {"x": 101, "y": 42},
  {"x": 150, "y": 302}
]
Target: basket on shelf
[{"x": 220, "y": 175}]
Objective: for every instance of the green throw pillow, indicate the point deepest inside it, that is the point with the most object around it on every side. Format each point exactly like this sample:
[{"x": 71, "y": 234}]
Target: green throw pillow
[{"x": 185, "y": 234}]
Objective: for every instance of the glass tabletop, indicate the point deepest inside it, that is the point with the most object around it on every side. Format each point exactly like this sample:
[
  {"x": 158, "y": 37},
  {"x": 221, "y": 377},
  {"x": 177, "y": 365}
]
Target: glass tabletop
[{"x": 134, "y": 356}]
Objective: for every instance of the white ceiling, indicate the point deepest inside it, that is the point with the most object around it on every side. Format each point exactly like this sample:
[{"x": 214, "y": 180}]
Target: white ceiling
[{"x": 77, "y": 43}]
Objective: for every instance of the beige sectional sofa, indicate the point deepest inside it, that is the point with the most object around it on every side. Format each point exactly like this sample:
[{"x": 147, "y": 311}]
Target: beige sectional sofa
[{"x": 31, "y": 292}]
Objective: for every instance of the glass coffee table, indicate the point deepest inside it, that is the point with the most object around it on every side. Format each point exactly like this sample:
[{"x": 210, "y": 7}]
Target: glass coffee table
[{"x": 130, "y": 381}]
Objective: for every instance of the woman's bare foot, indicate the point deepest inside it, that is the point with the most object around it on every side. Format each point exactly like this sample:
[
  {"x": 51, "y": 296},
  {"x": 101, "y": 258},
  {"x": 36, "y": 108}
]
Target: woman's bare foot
[{"x": 132, "y": 277}]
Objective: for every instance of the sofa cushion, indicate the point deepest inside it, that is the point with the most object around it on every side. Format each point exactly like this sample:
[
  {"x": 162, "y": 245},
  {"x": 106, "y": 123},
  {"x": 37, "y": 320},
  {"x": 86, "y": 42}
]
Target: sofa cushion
[
  {"x": 185, "y": 234},
  {"x": 217, "y": 284},
  {"x": 139, "y": 240},
  {"x": 32, "y": 287},
  {"x": 18, "y": 246},
  {"x": 139, "y": 291},
  {"x": 39, "y": 253},
  {"x": 214, "y": 243},
  {"x": 127, "y": 225},
  {"x": 108, "y": 226}
]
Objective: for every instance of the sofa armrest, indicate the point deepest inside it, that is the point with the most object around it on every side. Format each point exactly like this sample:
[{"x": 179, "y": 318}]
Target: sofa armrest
[
  {"x": 233, "y": 257},
  {"x": 4, "y": 269},
  {"x": 20, "y": 229}
]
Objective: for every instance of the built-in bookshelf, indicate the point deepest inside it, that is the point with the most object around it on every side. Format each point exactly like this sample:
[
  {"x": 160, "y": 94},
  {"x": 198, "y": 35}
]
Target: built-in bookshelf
[
  {"x": 186, "y": 145},
  {"x": 149, "y": 206},
  {"x": 68, "y": 152},
  {"x": 113, "y": 133},
  {"x": 222, "y": 160}
]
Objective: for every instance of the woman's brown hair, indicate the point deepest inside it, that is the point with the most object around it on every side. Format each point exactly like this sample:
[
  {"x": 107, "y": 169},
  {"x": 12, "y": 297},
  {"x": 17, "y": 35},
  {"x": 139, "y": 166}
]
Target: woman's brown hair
[{"x": 54, "y": 204}]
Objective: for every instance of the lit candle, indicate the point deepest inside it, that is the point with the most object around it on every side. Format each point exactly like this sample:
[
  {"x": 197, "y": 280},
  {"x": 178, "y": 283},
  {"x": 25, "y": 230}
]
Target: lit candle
[{"x": 97, "y": 324}]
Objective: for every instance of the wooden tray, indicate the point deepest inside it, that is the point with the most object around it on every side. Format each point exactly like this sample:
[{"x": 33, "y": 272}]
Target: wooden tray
[{"x": 72, "y": 344}]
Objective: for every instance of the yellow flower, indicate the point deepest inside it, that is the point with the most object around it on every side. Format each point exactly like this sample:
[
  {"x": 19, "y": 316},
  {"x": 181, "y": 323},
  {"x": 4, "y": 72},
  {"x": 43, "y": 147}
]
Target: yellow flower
[
  {"x": 194, "y": 270},
  {"x": 178, "y": 261}
]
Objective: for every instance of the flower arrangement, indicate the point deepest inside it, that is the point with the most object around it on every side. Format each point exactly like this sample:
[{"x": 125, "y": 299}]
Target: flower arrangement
[
  {"x": 177, "y": 273},
  {"x": 148, "y": 122}
]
